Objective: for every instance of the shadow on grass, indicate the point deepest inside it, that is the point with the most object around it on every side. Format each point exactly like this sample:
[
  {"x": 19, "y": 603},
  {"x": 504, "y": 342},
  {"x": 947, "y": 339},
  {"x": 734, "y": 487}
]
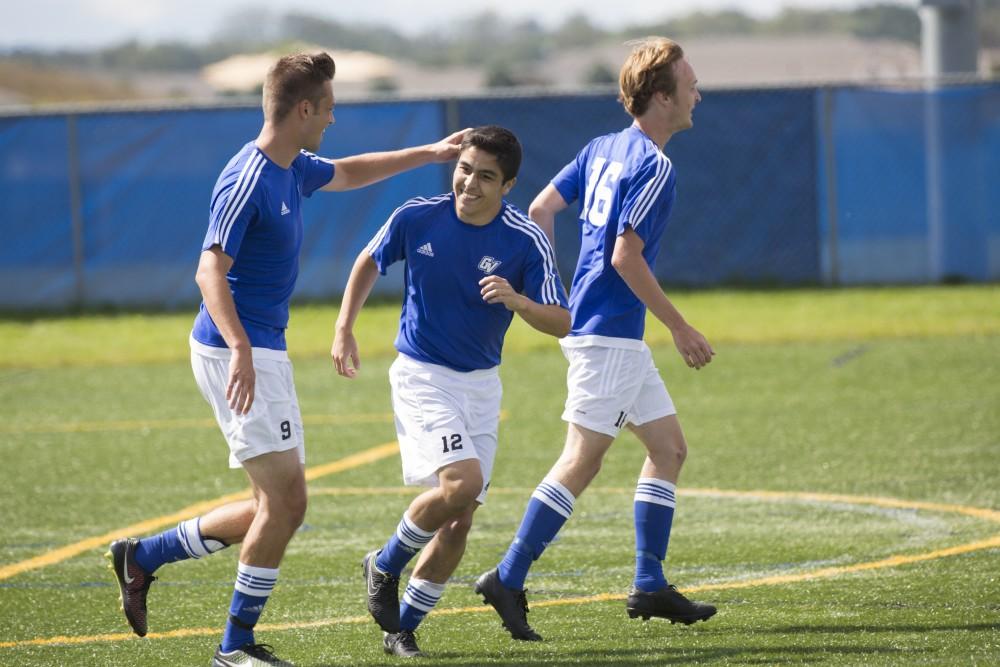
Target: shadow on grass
[
  {"x": 854, "y": 629},
  {"x": 744, "y": 655}
]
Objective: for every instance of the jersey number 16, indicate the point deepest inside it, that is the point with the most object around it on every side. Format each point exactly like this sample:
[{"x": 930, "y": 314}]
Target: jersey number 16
[{"x": 600, "y": 191}]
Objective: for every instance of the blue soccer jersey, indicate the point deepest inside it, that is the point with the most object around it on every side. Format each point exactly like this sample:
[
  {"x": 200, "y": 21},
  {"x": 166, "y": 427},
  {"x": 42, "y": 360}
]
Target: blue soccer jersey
[
  {"x": 622, "y": 180},
  {"x": 444, "y": 319},
  {"x": 256, "y": 219}
]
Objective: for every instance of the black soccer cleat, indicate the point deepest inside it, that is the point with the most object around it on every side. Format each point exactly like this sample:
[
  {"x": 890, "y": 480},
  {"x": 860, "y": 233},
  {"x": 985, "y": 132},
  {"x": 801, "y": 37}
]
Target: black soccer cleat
[
  {"x": 249, "y": 655},
  {"x": 383, "y": 594},
  {"x": 667, "y": 603},
  {"x": 511, "y": 605},
  {"x": 133, "y": 582},
  {"x": 402, "y": 644}
]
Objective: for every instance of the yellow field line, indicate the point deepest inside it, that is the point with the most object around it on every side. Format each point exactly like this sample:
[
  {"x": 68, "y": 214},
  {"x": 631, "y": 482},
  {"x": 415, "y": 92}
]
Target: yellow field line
[
  {"x": 353, "y": 461},
  {"x": 63, "y": 553},
  {"x": 154, "y": 424},
  {"x": 775, "y": 580},
  {"x": 878, "y": 501}
]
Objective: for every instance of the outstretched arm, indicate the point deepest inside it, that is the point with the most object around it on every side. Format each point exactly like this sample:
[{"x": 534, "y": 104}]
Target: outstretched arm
[
  {"x": 358, "y": 171},
  {"x": 211, "y": 278},
  {"x": 544, "y": 208},
  {"x": 552, "y": 319},
  {"x": 359, "y": 286},
  {"x": 632, "y": 267}
]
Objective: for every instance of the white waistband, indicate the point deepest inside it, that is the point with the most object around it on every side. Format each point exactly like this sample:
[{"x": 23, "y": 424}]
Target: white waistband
[
  {"x": 477, "y": 374},
  {"x": 603, "y": 341},
  {"x": 225, "y": 353}
]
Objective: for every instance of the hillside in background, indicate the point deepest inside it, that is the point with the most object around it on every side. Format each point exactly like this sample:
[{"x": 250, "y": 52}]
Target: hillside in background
[{"x": 486, "y": 51}]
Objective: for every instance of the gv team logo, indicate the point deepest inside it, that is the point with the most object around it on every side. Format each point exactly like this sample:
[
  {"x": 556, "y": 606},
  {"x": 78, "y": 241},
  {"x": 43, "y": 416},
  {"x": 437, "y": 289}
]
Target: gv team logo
[{"x": 488, "y": 265}]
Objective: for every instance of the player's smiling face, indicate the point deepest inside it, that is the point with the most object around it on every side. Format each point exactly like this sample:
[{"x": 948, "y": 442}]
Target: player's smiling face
[
  {"x": 320, "y": 117},
  {"x": 479, "y": 186}
]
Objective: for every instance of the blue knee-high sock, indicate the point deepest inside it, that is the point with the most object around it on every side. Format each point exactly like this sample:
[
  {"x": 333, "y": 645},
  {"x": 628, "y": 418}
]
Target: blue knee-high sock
[
  {"x": 654, "y": 514},
  {"x": 253, "y": 587},
  {"x": 550, "y": 506},
  {"x": 180, "y": 543},
  {"x": 419, "y": 598},
  {"x": 404, "y": 544}
]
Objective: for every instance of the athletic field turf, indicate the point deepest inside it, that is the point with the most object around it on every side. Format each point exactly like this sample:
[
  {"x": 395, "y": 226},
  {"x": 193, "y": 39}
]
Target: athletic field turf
[{"x": 840, "y": 503}]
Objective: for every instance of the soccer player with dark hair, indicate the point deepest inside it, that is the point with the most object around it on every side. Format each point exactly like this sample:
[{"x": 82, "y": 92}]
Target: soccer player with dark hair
[
  {"x": 472, "y": 261},
  {"x": 246, "y": 273},
  {"x": 625, "y": 185}
]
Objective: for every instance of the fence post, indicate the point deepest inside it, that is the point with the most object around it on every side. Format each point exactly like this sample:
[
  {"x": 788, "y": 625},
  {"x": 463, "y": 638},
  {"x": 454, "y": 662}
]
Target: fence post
[
  {"x": 452, "y": 120},
  {"x": 830, "y": 167},
  {"x": 75, "y": 207}
]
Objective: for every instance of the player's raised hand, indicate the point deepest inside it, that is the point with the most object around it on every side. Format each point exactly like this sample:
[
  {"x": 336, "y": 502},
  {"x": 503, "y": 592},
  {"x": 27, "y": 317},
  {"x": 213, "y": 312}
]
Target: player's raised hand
[
  {"x": 693, "y": 347},
  {"x": 449, "y": 147},
  {"x": 242, "y": 379},
  {"x": 496, "y": 289},
  {"x": 345, "y": 356}
]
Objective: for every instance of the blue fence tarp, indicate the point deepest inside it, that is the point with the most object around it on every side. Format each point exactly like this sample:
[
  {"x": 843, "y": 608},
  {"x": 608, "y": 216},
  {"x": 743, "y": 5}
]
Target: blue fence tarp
[
  {"x": 36, "y": 252},
  {"x": 781, "y": 186},
  {"x": 916, "y": 180}
]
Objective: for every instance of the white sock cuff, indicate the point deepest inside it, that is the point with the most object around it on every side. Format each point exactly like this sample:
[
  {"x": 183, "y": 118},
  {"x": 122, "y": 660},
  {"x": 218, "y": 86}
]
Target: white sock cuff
[
  {"x": 656, "y": 491},
  {"x": 556, "y": 496},
  {"x": 413, "y": 535},
  {"x": 196, "y": 546},
  {"x": 422, "y": 594},
  {"x": 256, "y": 581}
]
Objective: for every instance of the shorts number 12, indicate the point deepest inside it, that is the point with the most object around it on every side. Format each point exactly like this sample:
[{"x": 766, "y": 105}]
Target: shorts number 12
[{"x": 456, "y": 442}]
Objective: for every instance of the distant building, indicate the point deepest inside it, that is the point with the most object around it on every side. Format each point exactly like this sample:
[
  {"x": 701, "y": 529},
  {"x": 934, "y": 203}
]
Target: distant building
[{"x": 244, "y": 73}]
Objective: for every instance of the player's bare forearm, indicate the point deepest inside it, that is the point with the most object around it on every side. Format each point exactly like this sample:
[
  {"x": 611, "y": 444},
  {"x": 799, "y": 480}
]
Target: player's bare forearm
[
  {"x": 211, "y": 278},
  {"x": 544, "y": 208},
  {"x": 359, "y": 171},
  {"x": 550, "y": 319},
  {"x": 344, "y": 350},
  {"x": 627, "y": 259},
  {"x": 364, "y": 273}
]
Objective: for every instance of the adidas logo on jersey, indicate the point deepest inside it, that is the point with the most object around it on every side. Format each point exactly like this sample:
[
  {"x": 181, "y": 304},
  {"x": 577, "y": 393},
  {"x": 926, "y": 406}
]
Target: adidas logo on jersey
[
  {"x": 426, "y": 249},
  {"x": 284, "y": 209}
]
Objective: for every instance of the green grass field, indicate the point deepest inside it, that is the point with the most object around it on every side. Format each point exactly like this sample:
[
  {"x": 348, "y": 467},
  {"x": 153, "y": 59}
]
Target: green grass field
[{"x": 840, "y": 503}]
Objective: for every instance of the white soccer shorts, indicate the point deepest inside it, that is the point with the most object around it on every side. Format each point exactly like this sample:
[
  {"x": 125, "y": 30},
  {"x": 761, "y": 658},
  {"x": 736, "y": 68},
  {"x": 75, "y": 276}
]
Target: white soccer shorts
[
  {"x": 609, "y": 387},
  {"x": 274, "y": 423},
  {"x": 444, "y": 416}
]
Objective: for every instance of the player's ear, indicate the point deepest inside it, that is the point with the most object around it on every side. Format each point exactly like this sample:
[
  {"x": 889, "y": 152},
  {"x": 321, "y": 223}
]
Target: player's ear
[
  {"x": 508, "y": 185},
  {"x": 303, "y": 108}
]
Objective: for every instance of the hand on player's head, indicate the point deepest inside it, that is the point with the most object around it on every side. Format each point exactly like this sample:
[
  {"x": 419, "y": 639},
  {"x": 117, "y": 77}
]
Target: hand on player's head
[{"x": 450, "y": 147}]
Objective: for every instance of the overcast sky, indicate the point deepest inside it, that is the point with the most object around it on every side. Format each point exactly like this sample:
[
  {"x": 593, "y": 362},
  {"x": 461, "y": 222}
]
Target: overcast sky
[{"x": 88, "y": 23}]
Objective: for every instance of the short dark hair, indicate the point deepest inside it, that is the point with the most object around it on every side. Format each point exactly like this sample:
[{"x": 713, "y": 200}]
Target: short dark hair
[
  {"x": 499, "y": 142},
  {"x": 295, "y": 78}
]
